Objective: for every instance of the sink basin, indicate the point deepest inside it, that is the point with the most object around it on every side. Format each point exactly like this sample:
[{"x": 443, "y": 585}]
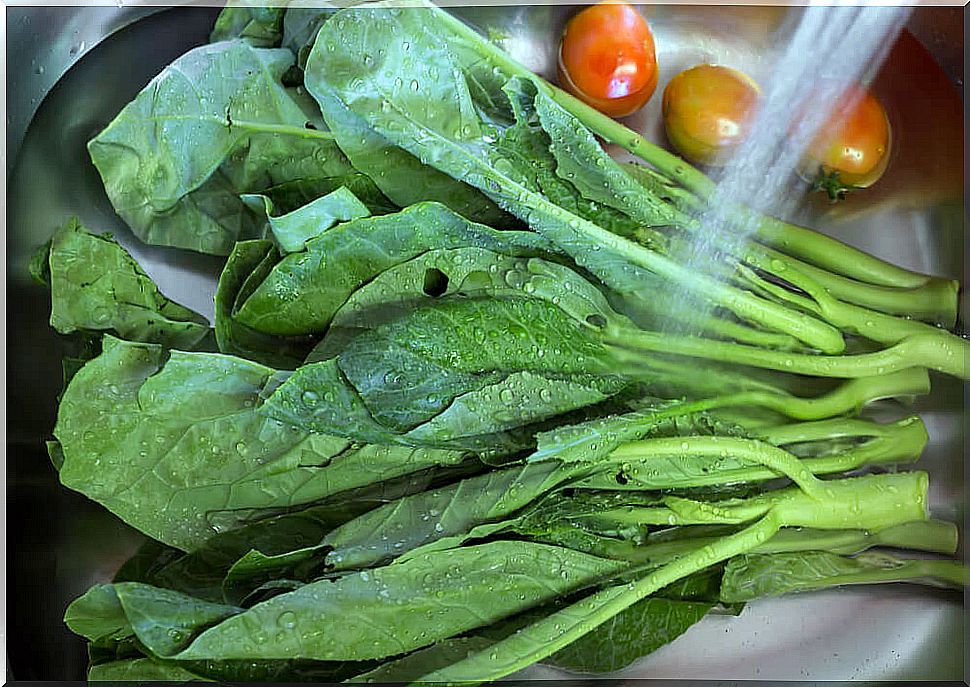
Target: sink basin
[{"x": 71, "y": 69}]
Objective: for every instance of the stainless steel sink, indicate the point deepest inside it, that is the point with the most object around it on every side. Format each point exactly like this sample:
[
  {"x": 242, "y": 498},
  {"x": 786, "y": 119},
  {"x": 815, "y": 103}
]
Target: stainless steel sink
[{"x": 71, "y": 69}]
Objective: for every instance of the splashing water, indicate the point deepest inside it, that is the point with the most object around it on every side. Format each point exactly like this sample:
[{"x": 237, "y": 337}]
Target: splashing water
[{"x": 828, "y": 49}]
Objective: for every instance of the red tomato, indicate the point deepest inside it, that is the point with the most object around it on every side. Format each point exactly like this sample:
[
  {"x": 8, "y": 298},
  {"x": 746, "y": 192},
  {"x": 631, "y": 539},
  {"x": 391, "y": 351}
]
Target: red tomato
[
  {"x": 707, "y": 111},
  {"x": 607, "y": 58},
  {"x": 852, "y": 148}
]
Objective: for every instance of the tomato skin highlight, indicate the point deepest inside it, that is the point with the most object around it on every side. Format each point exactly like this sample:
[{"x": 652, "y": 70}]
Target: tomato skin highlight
[
  {"x": 607, "y": 58},
  {"x": 854, "y": 143},
  {"x": 707, "y": 112}
]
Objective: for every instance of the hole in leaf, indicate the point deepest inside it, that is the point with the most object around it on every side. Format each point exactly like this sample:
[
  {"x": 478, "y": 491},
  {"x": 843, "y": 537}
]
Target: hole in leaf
[
  {"x": 435, "y": 282},
  {"x": 309, "y": 125},
  {"x": 597, "y": 321},
  {"x": 621, "y": 478}
]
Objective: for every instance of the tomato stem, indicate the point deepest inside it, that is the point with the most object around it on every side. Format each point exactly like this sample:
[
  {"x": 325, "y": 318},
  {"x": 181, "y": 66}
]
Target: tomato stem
[{"x": 830, "y": 183}]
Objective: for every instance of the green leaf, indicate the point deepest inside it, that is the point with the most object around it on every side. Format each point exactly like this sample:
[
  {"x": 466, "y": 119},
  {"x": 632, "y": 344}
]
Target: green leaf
[
  {"x": 637, "y": 631},
  {"x": 98, "y": 615},
  {"x": 304, "y": 291},
  {"x": 135, "y": 670},
  {"x": 414, "y": 665},
  {"x": 164, "y": 621},
  {"x": 214, "y": 124},
  {"x": 40, "y": 268},
  {"x": 177, "y": 449},
  {"x": 292, "y": 195},
  {"x": 247, "y": 266},
  {"x": 399, "y": 608},
  {"x": 581, "y": 160},
  {"x": 292, "y": 230},
  {"x": 261, "y": 27},
  {"x": 96, "y": 286},
  {"x": 412, "y": 521}
]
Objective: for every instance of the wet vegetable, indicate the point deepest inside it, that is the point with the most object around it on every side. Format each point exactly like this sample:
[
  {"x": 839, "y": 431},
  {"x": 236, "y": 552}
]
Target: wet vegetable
[
  {"x": 852, "y": 149},
  {"x": 607, "y": 58},
  {"x": 439, "y": 429},
  {"x": 707, "y": 111}
]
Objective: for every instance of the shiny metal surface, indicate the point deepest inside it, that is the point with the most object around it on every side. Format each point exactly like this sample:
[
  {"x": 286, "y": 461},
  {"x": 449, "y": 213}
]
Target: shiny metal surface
[{"x": 72, "y": 68}]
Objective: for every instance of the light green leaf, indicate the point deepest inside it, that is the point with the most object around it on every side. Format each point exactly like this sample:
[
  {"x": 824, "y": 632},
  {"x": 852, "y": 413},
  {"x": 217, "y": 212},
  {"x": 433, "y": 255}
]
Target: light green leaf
[
  {"x": 292, "y": 230},
  {"x": 96, "y": 286},
  {"x": 214, "y": 124}
]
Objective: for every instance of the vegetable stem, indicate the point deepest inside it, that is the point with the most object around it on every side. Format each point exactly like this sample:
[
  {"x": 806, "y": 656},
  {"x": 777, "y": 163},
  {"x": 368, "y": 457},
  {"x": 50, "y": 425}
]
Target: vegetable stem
[
  {"x": 761, "y": 453},
  {"x": 941, "y": 352},
  {"x": 816, "y": 248},
  {"x": 556, "y": 631}
]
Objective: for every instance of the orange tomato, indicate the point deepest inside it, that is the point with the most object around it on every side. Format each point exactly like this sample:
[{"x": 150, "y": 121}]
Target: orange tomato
[
  {"x": 607, "y": 58},
  {"x": 707, "y": 111},
  {"x": 852, "y": 149}
]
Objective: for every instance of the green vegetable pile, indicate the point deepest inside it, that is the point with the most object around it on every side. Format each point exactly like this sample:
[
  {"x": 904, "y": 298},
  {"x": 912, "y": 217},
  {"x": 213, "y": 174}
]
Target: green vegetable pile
[{"x": 435, "y": 432}]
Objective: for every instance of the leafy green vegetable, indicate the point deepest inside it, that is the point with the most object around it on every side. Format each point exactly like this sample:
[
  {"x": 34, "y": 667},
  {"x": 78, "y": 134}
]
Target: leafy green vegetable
[
  {"x": 215, "y": 124},
  {"x": 247, "y": 265},
  {"x": 96, "y": 286},
  {"x": 261, "y": 27},
  {"x": 755, "y": 575},
  {"x": 451, "y": 430},
  {"x": 294, "y": 229},
  {"x": 177, "y": 448},
  {"x": 639, "y": 630}
]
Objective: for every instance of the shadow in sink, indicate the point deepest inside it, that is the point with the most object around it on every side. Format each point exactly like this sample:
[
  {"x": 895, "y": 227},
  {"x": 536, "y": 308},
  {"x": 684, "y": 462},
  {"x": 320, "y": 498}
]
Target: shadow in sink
[{"x": 60, "y": 543}]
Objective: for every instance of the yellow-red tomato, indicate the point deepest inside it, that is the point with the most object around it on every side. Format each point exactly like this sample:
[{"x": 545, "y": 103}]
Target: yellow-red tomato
[
  {"x": 607, "y": 58},
  {"x": 852, "y": 149},
  {"x": 707, "y": 111}
]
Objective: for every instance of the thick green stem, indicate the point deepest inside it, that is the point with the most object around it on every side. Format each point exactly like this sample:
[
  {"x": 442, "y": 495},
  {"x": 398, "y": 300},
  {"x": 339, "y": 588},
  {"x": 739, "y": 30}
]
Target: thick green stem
[
  {"x": 792, "y": 239},
  {"x": 545, "y": 637},
  {"x": 694, "y": 316},
  {"x": 846, "y": 398},
  {"x": 934, "y": 302},
  {"x": 800, "y": 432},
  {"x": 744, "y": 304},
  {"x": 778, "y": 461},
  {"x": 946, "y": 354},
  {"x": 900, "y": 442},
  {"x": 859, "y": 503},
  {"x": 874, "y": 325}
]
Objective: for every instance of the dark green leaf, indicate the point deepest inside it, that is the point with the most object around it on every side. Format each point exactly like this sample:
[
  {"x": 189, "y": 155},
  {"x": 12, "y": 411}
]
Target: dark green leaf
[
  {"x": 247, "y": 266},
  {"x": 637, "y": 631},
  {"x": 395, "y": 609}
]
